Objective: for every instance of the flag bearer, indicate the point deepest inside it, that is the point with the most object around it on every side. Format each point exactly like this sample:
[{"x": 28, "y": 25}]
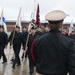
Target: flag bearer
[{"x": 16, "y": 39}]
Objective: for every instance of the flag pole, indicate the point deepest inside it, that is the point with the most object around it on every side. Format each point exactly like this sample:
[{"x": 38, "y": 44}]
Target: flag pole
[
  {"x": 71, "y": 27},
  {"x": 14, "y": 35},
  {"x": 11, "y": 44},
  {"x": 2, "y": 15}
]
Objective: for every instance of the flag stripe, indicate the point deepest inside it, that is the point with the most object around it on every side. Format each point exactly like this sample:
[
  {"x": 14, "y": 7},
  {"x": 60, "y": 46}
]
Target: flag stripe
[{"x": 4, "y": 20}]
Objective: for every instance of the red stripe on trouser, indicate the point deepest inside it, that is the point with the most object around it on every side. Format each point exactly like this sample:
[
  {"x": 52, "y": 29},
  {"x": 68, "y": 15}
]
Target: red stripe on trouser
[{"x": 32, "y": 49}]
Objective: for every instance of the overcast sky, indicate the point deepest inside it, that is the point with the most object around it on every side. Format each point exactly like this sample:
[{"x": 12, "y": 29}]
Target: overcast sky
[{"x": 11, "y": 8}]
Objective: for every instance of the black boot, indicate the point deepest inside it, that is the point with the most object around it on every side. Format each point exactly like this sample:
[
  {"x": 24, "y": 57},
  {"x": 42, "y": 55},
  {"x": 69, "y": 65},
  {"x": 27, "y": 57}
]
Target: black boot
[
  {"x": 13, "y": 66},
  {"x": 12, "y": 60}
]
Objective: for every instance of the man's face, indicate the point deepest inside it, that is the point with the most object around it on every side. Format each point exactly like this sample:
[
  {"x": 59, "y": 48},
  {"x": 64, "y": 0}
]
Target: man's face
[
  {"x": 46, "y": 29},
  {"x": 1, "y": 29},
  {"x": 24, "y": 29},
  {"x": 65, "y": 31},
  {"x": 33, "y": 31},
  {"x": 17, "y": 29},
  {"x": 39, "y": 29}
]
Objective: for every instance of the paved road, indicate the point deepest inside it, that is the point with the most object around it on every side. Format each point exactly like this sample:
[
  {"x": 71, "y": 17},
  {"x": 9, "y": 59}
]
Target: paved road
[{"x": 6, "y": 69}]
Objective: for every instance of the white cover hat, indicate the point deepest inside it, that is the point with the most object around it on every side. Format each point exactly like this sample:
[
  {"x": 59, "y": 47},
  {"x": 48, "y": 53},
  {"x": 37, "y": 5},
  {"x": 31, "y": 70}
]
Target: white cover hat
[{"x": 56, "y": 15}]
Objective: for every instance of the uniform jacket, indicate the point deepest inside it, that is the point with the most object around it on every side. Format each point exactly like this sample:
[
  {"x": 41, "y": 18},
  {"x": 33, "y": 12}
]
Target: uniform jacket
[
  {"x": 54, "y": 54},
  {"x": 17, "y": 39},
  {"x": 3, "y": 38},
  {"x": 24, "y": 34}
]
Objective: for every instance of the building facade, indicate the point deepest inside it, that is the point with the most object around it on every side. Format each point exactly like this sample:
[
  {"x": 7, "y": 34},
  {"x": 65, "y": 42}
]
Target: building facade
[{"x": 11, "y": 25}]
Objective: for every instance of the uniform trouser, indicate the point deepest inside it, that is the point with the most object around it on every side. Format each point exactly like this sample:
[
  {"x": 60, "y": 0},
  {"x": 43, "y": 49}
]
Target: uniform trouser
[
  {"x": 16, "y": 52},
  {"x": 31, "y": 65},
  {"x": 2, "y": 54}
]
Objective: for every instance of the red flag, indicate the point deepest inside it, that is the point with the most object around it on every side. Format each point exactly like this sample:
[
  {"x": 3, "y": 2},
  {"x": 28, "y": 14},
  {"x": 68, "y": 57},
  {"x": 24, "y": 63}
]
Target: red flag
[{"x": 37, "y": 16}]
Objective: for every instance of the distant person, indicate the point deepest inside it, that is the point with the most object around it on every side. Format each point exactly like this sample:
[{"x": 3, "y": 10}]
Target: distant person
[
  {"x": 24, "y": 34},
  {"x": 3, "y": 44},
  {"x": 32, "y": 36},
  {"x": 65, "y": 32},
  {"x": 39, "y": 31}
]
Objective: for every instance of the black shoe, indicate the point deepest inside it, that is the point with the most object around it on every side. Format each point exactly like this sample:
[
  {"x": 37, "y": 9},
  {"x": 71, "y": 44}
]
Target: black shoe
[
  {"x": 12, "y": 60},
  {"x": 31, "y": 73},
  {"x": 4, "y": 62},
  {"x": 13, "y": 67}
]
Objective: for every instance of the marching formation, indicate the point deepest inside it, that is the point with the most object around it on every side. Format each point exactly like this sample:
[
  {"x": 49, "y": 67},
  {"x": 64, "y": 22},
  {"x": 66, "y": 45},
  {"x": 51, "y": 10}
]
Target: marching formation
[{"x": 48, "y": 48}]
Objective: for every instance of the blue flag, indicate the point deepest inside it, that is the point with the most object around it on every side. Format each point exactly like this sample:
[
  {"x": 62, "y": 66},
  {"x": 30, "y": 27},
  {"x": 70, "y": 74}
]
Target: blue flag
[{"x": 4, "y": 20}]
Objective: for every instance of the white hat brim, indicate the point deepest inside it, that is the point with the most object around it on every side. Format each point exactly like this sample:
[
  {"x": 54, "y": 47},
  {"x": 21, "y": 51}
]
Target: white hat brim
[{"x": 56, "y": 15}]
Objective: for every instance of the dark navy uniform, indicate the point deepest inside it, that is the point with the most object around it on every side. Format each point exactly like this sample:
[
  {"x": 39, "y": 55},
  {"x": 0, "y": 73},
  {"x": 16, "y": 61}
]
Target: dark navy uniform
[
  {"x": 24, "y": 34},
  {"x": 31, "y": 62},
  {"x": 17, "y": 41},
  {"x": 3, "y": 43},
  {"x": 54, "y": 53},
  {"x": 51, "y": 54},
  {"x": 32, "y": 36},
  {"x": 73, "y": 37}
]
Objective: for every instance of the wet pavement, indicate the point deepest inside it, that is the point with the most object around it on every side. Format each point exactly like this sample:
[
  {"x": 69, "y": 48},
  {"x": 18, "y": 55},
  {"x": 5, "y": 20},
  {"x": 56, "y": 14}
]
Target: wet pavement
[{"x": 6, "y": 69}]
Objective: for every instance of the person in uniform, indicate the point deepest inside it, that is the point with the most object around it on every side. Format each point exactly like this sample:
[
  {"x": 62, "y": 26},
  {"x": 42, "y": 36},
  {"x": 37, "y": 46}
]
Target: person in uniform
[
  {"x": 25, "y": 34},
  {"x": 66, "y": 32},
  {"x": 73, "y": 36},
  {"x": 46, "y": 29},
  {"x": 54, "y": 53},
  {"x": 31, "y": 38},
  {"x": 16, "y": 40},
  {"x": 3, "y": 43},
  {"x": 39, "y": 30}
]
